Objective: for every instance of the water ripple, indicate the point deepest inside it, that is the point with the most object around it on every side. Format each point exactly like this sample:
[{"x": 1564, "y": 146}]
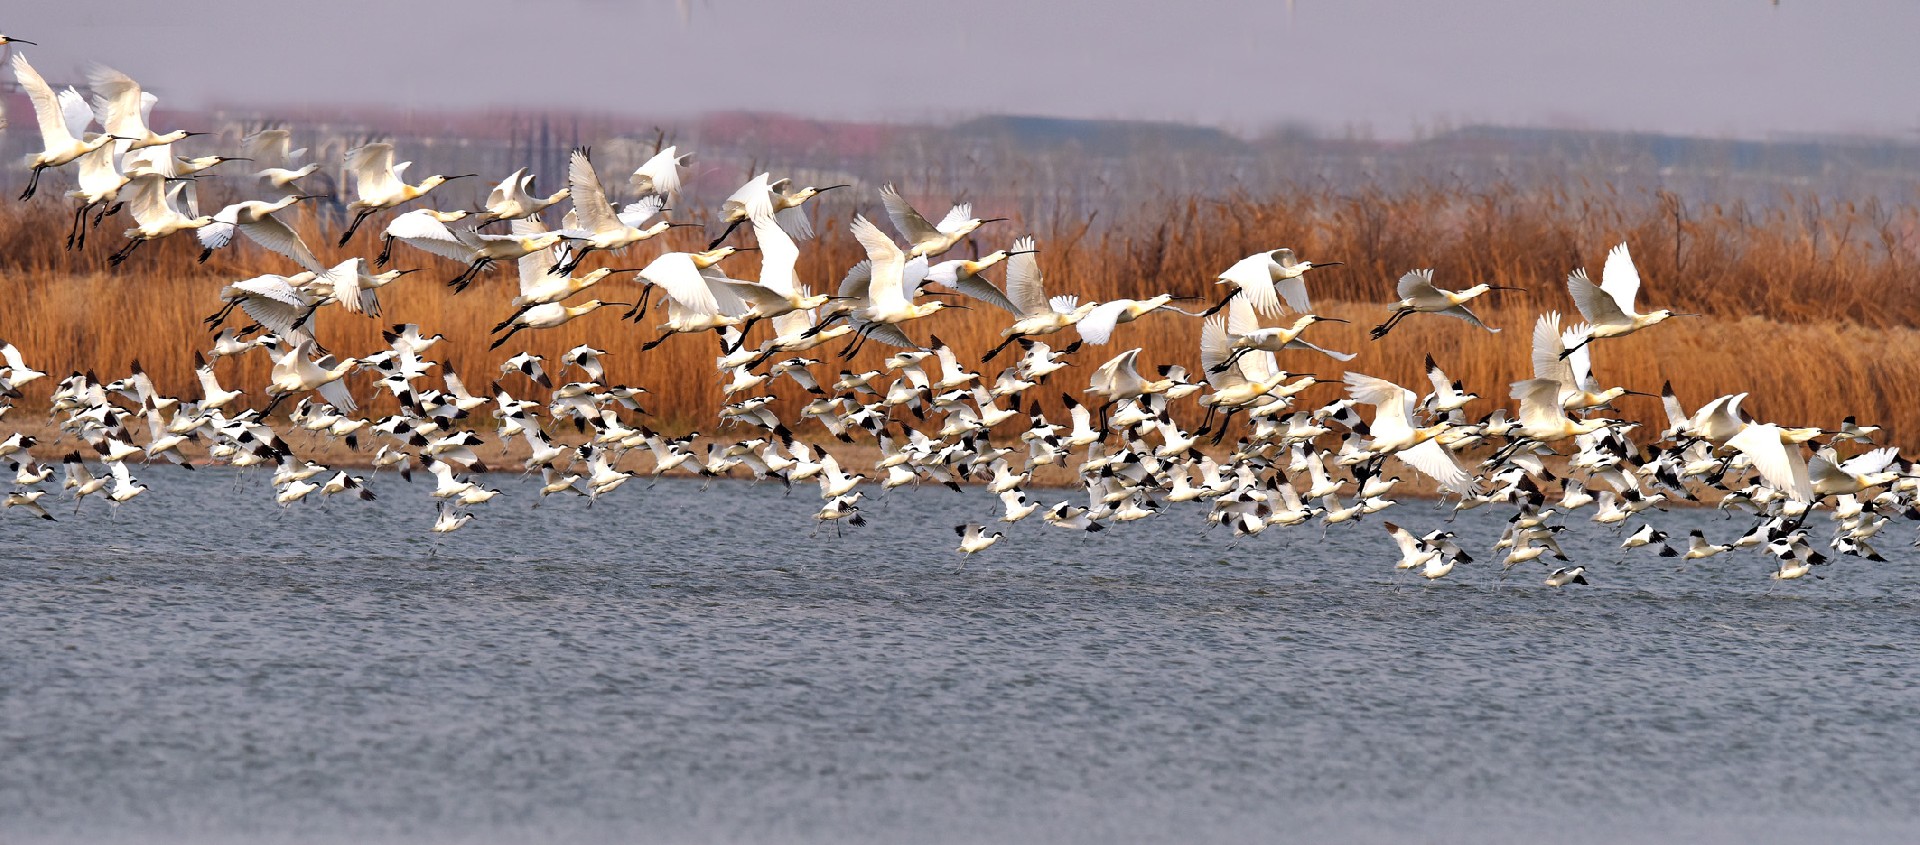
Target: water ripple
[{"x": 684, "y": 666}]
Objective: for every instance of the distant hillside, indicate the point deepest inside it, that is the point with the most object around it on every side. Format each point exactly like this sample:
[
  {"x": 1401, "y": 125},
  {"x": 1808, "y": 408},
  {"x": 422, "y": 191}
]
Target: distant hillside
[
  {"x": 1809, "y": 155},
  {"x": 1099, "y": 137},
  {"x": 1073, "y": 163}
]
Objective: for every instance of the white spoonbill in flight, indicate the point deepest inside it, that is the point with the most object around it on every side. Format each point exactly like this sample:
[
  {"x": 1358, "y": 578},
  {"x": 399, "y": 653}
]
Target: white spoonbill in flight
[
  {"x": 1097, "y": 327},
  {"x": 256, "y": 220},
  {"x": 151, "y": 203},
  {"x": 1579, "y": 390},
  {"x": 545, "y": 317},
  {"x": 1265, "y": 278},
  {"x": 762, "y": 198},
  {"x": 1419, "y": 296},
  {"x": 272, "y": 151},
  {"x": 593, "y": 220},
  {"x": 888, "y": 300},
  {"x": 1395, "y": 432},
  {"x": 95, "y": 186},
  {"x": 121, "y": 107},
  {"x": 377, "y": 181},
  {"x": 1608, "y": 306},
  {"x": 963, "y": 275},
  {"x": 514, "y": 199},
  {"x": 1038, "y": 313},
  {"x": 1278, "y": 338},
  {"x": 661, "y": 174},
  {"x": 930, "y": 239},
  {"x": 63, "y": 135},
  {"x": 1776, "y": 457},
  {"x": 777, "y": 291}
]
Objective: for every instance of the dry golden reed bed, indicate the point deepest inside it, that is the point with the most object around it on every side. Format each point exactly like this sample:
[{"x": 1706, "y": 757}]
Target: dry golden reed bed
[{"x": 1811, "y": 305}]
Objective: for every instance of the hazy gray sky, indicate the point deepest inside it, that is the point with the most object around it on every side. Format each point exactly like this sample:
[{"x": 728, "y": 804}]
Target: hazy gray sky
[{"x": 1743, "y": 67}]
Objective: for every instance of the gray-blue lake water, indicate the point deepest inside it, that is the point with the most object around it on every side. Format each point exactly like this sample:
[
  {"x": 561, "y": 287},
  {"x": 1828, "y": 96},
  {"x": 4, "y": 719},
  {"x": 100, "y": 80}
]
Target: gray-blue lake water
[{"x": 687, "y": 665}]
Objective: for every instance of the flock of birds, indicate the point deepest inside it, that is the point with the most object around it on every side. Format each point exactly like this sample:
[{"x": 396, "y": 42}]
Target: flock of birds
[{"x": 933, "y": 418}]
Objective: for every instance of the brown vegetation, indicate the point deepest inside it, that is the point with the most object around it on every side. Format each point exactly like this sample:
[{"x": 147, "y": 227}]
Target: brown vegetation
[{"x": 1809, "y": 304}]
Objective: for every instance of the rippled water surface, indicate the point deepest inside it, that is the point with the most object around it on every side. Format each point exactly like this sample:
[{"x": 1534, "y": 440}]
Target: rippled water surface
[{"x": 680, "y": 665}]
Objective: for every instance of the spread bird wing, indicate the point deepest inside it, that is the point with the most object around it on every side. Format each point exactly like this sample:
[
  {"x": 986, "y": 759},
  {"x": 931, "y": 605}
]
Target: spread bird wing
[
  {"x": 1875, "y": 461},
  {"x": 268, "y": 147},
  {"x": 957, "y": 216},
  {"x": 1337, "y": 356},
  {"x": 1677, "y": 418},
  {"x": 854, "y": 284},
  {"x": 659, "y": 175},
  {"x": 889, "y": 262},
  {"x": 421, "y": 231},
  {"x": 507, "y": 188},
  {"x": 794, "y": 221},
  {"x": 335, "y": 392},
  {"x": 979, "y": 288},
  {"x": 792, "y": 323},
  {"x": 778, "y": 255},
  {"x": 676, "y": 274},
  {"x": 1434, "y": 461},
  {"x": 1378, "y": 392},
  {"x": 1547, "y": 348},
  {"x": 1620, "y": 279},
  {"x": 637, "y": 213},
  {"x": 372, "y": 169},
  {"x": 1782, "y": 466},
  {"x": 1409, "y": 544},
  {"x": 277, "y": 309},
  {"x": 1107, "y": 377},
  {"x": 589, "y": 200},
  {"x": 1822, "y": 471},
  {"x": 219, "y": 233},
  {"x": 274, "y": 234},
  {"x": 1580, "y": 363},
  {"x": 345, "y": 278},
  {"x": 1594, "y": 303},
  {"x": 889, "y": 334},
  {"x": 1294, "y": 291},
  {"x": 75, "y": 113},
  {"x": 1024, "y": 282},
  {"x": 1241, "y": 317},
  {"x": 906, "y": 221},
  {"x": 535, "y": 266},
  {"x": 1460, "y": 312},
  {"x": 1539, "y": 403},
  {"x": 146, "y": 197},
  {"x": 47, "y": 109},
  {"x": 1097, "y": 327},
  {"x": 755, "y": 198},
  {"x": 1416, "y": 283},
  {"x": 117, "y": 101},
  {"x": 1255, "y": 282}
]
